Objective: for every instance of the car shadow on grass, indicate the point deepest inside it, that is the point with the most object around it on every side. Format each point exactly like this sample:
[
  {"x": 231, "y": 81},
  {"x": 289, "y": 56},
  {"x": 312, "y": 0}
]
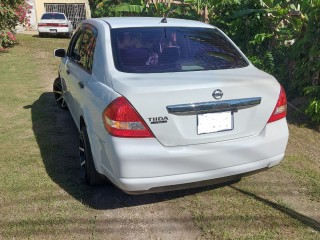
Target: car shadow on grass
[
  {"x": 57, "y": 138},
  {"x": 291, "y": 213}
]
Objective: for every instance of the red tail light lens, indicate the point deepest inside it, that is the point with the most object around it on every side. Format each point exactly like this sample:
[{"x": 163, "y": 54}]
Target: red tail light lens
[
  {"x": 122, "y": 120},
  {"x": 280, "y": 111},
  {"x": 52, "y": 25}
]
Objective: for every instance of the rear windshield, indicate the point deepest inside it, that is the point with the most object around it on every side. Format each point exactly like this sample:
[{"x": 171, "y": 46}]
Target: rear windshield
[
  {"x": 53, "y": 16},
  {"x": 172, "y": 49}
]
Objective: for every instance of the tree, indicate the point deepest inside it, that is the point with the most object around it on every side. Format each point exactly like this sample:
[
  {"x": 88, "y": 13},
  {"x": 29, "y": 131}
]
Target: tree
[
  {"x": 156, "y": 8},
  {"x": 12, "y": 13}
]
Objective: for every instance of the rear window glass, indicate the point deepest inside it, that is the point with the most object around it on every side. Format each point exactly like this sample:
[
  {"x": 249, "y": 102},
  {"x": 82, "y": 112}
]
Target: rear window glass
[
  {"x": 172, "y": 49},
  {"x": 53, "y": 16}
]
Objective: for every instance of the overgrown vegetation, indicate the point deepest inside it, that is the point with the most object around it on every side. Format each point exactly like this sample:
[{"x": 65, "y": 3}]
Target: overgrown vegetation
[
  {"x": 12, "y": 13},
  {"x": 281, "y": 37}
]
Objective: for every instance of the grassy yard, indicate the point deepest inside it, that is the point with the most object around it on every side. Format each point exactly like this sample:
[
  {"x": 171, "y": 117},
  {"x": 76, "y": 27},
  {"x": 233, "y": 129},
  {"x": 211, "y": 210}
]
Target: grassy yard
[{"x": 41, "y": 196}]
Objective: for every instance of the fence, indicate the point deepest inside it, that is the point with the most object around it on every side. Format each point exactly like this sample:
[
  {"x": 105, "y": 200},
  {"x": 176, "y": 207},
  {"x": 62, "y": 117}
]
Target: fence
[{"x": 75, "y": 12}]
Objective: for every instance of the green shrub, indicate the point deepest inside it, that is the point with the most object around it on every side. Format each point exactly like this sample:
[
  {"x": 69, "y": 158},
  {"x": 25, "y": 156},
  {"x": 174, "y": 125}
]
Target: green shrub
[
  {"x": 12, "y": 13},
  {"x": 313, "y": 109}
]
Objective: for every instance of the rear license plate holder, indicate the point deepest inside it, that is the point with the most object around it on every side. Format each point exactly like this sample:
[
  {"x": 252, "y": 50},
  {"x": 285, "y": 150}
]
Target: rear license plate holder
[
  {"x": 53, "y": 31},
  {"x": 214, "y": 122}
]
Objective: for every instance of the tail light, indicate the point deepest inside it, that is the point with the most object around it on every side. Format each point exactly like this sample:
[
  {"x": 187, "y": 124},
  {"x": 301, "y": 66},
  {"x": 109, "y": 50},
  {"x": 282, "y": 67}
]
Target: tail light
[
  {"x": 52, "y": 25},
  {"x": 280, "y": 110},
  {"x": 122, "y": 120}
]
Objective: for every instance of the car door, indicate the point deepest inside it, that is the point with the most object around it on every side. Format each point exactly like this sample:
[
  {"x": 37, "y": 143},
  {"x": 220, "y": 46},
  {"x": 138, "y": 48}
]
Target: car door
[
  {"x": 64, "y": 69},
  {"x": 80, "y": 67},
  {"x": 69, "y": 68}
]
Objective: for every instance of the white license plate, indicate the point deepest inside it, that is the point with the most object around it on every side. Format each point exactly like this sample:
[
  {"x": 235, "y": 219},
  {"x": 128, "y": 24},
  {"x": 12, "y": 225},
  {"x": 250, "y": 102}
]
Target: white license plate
[
  {"x": 53, "y": 30},
  {"x": 215, "y": 122}
]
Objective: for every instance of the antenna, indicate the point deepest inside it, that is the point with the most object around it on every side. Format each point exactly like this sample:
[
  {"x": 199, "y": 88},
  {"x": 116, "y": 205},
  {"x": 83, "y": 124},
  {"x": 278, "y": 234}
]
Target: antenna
[
  {"x": 165, "y": 16},
  {"x": 164, "y": 20}
]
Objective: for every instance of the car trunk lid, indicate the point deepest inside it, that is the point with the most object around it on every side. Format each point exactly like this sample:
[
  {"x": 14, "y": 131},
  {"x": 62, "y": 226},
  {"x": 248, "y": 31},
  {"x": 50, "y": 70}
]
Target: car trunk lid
[{"x": 180, "y": 107}]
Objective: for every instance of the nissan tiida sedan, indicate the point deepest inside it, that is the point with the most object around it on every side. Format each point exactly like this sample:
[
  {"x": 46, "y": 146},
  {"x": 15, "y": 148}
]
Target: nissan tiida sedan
[{"x": 164, "y": 104}]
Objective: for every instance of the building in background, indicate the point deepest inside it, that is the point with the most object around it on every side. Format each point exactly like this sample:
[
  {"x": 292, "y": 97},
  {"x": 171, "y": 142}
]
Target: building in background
[{"x": 75, "y": 10}]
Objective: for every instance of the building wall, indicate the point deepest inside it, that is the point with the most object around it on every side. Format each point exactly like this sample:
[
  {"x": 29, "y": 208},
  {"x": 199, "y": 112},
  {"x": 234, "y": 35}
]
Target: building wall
[
  {"x": 39, "y": 6},
  {"x": 32, "y": 15}
]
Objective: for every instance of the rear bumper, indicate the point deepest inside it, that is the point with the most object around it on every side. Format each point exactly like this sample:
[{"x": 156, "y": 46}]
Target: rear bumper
[
  {"x": 198, "y": 179},
  {"x": 138, "y": 165},
  {"x": 54, "y": 30}
]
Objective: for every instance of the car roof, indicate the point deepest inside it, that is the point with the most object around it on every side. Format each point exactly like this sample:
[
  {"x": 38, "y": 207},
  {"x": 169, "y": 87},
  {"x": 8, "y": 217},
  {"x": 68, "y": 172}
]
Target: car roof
[{"x": 127, "y": 22}]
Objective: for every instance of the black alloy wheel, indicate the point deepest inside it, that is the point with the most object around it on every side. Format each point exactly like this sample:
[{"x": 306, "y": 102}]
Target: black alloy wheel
[
  {"x": 58, "y": 94},
  {"x": 88, "y": 171}
]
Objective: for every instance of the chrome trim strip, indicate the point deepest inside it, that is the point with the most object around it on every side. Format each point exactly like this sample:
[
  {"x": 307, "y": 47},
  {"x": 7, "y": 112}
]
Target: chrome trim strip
[{"x": 218, "y": 106}]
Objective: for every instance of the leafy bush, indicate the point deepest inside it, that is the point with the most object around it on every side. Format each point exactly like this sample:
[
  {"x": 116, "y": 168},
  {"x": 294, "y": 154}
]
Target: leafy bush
[
  {"x": 304, "y": 69},
  {"x": 7, "y": 39},
  {"x": 313, "y": 109},
  {"x": 12, "y": 13}
]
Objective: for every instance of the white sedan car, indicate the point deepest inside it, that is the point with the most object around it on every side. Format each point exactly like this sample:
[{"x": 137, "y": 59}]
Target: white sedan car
[
  {"x": 164, "y": 104},
  {"x": 54, "y": 23}
]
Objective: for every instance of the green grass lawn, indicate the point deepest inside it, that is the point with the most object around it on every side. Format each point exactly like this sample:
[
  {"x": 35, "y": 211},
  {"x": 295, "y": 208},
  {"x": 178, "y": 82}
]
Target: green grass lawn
[{"x": 41, "y": 196}]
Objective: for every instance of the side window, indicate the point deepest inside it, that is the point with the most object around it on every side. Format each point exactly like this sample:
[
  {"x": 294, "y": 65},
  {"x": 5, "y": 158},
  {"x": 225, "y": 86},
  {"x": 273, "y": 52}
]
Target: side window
[
  {"x": 87, "y": 48},
  {"x": 82, "y": 46},
  {"x": 74, "y": 48}
]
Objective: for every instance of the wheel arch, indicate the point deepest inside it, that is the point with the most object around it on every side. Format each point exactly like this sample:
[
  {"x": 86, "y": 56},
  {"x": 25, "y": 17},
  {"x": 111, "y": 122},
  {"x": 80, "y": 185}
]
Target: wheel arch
[{"x": 93, "y": 139}]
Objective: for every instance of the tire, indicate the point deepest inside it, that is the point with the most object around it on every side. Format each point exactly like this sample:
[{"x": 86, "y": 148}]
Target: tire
[
  {"x": 88, "y": 171},
  {"x": 41, "y": 35},
  {"x": 58, "y": 94}
]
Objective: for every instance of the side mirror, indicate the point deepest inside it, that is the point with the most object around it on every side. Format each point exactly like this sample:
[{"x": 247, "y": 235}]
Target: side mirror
[{"x": 59, "y": 52}]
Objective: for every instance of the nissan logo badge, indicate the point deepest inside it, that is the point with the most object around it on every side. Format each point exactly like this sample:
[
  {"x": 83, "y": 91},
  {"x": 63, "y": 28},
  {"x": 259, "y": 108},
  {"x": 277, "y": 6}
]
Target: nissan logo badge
[{"x": 217, "y": 94}]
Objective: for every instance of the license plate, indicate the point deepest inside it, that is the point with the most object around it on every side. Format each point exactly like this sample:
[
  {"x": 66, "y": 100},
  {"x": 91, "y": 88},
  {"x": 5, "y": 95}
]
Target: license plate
[
  {"x": 53, "y": 30},
  {"x": 215, "y": 122}
]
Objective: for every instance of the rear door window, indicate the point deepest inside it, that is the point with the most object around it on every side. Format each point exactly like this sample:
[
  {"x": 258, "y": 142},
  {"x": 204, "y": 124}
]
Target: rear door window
[
  {"x": 87, "y": 47},
  {"x": 74, "y": 47},
  {"x": 172, "y": 49}
]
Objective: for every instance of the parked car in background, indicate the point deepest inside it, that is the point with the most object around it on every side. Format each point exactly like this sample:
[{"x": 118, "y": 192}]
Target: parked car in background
[
  {"x": 54, "y": 23},
  {"x": 163, "y": 104}
]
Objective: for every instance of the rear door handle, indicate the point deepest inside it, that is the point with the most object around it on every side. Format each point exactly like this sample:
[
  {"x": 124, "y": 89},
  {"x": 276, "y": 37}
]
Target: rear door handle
[{"x": 81, "y": 85}]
